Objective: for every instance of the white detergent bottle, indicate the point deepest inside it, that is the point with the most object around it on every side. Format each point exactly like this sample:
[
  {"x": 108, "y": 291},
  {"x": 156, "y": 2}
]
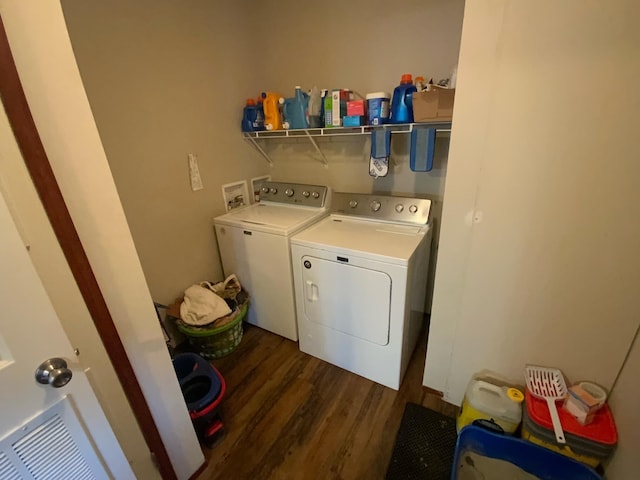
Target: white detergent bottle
[
  {"x": 315, "y": 104},
  {"x": 489, "y": 396}
]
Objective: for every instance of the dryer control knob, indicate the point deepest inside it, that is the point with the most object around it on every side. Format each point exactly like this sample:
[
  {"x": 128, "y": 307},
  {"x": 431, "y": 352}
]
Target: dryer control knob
[
  {"x": 273, "y": 190},
  {"x": 305, "y": 194},
  {"x": 353, "y": 204},
  {"x": 413, "y": 209},
  {"x": 375, "y": 205},
  {"x": 265, "y": 189},
  {"x": 315, "y": 195},
  {"x": 399, "y": 208},
  {"x": 289, "y": 192}
]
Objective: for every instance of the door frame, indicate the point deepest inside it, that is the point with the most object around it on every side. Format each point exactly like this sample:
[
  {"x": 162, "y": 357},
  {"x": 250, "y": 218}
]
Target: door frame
[{"x": 37, "y": 163}]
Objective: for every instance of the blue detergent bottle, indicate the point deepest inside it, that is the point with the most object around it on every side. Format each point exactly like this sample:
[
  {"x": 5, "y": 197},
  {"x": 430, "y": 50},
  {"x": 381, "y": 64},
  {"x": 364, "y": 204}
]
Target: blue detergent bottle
[
  {"x": 252, "y": 117},
  {"x": 402, "y": 101},
  {"x": 258, "y": 124},
  {"x": 295, "y": 110}
]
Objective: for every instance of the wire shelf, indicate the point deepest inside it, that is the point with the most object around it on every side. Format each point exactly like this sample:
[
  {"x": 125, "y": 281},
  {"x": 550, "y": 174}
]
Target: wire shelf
[{"x": 312, "y": 133}]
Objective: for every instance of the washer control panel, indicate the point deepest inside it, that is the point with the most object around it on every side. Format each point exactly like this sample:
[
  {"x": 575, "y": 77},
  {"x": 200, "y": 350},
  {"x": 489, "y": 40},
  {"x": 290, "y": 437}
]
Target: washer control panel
[
  {"x": 294, "y": 193},
  {"x": 382, "y": 207}
]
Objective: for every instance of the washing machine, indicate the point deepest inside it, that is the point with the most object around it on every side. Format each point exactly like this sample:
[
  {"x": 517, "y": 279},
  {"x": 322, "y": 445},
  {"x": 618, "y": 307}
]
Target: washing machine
[
  {"x": 360, "y": 282},
  {"x": 254, "y": 244}
]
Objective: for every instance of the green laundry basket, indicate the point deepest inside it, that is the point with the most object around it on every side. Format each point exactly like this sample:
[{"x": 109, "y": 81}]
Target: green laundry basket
[{"x": 216, "y": 342}]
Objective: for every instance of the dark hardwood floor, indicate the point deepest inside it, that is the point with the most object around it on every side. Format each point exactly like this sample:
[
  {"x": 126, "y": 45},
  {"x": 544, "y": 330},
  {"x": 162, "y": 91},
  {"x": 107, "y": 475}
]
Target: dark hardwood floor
[{"x": 288, "y": 415}]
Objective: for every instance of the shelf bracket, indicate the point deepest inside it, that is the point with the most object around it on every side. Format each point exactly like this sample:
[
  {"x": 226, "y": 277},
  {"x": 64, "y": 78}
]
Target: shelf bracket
[
  {"x": 323, "y": 159},
  {"x": 260, "y": 149}
]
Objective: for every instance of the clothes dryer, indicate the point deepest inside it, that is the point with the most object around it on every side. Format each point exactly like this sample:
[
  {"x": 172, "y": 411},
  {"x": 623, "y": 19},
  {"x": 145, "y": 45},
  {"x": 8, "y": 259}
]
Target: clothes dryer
[{"x": 361, "y": 280}]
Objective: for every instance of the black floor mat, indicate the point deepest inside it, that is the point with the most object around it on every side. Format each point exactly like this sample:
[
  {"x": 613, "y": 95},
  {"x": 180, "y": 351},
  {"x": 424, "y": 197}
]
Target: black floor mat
[{"x": 424, "y": 446}]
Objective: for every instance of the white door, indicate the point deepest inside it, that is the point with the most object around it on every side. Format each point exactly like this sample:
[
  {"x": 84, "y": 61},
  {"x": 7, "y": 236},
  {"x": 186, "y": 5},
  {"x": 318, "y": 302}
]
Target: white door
[{"x": 45, "y": 432}]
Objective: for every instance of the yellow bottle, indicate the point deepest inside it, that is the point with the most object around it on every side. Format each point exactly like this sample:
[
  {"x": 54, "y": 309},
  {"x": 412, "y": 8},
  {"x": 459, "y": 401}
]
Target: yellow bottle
[
  {"x": 489, "y": 396},
  {"x": 271, "y": 107}
]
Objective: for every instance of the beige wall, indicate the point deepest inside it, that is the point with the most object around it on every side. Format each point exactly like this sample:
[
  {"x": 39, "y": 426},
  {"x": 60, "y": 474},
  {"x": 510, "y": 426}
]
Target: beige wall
[
  {"x": 366, "y": 48},
  {"x": 364, "y": 45},
  {"x": 624, "y": 404},
  {"x": 49, "y": 74},
  {"x": 166, "y": 79},
  {"x": 548, "y": 161}
]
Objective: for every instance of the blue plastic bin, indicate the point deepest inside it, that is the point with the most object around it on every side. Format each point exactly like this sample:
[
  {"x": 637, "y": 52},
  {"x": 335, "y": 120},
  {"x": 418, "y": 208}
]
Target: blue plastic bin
[
  {"x": 538, "y": 461},
  {"x": 199, "y": 382},
  {"x": 203, "y": 389}
]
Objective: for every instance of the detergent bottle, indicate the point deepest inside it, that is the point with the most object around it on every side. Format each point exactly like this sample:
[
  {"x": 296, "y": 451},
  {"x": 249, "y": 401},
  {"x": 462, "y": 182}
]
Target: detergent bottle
[
  {"x": 402, "y": 101},
  {"x": 490, "y": 396},
  {"x": 259, "y": 123},
  {"x": 285, "y": 105},
  {"x": 270, "y": 105},
  {"x": 315, "y": 109},
  {"x": 295, "y": 110},
  {"x": 252, "y": 118}
]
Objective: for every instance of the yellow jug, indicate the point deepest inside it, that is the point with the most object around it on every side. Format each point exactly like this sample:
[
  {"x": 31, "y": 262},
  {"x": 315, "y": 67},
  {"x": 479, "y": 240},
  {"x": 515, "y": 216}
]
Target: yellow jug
[{"x": 271, "y": 107}]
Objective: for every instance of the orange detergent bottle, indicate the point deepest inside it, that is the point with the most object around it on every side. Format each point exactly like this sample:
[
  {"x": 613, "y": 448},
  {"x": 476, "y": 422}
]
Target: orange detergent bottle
[{"x": 271, "y": 107}]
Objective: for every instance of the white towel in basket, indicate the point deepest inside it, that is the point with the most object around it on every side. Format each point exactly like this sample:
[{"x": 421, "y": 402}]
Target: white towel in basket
[{"x": 201, "y": 306}]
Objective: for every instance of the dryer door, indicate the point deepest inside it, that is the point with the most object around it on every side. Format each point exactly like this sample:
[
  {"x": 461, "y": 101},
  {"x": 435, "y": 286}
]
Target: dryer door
[{"x": 347, "y": 298}]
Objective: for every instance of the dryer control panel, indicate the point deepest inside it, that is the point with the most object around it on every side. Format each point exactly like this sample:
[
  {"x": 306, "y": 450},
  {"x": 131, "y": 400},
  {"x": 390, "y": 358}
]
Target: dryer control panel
[
  {"x": 383, "y": 207},
  {"x": 294, "y": 194}
]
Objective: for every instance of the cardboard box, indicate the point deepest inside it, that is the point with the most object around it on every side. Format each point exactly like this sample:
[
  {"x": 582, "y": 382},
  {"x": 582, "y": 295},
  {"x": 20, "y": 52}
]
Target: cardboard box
[
  {"x": 339, "y": 106},
  {"x": 356, "y": 108},
  {"x": 173, "y": 310},
  {"x": 328, "y": 110},
  {"x": 354, "y": 120},
  {"x": 582, "y": 404},
  {"x": 435, "y": 105}
]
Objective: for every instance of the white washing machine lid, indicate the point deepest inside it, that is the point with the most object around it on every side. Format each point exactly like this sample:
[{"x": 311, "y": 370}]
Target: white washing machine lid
[
  {"x": 382, "y": 241},
  {"x": 272, "y": 218}
]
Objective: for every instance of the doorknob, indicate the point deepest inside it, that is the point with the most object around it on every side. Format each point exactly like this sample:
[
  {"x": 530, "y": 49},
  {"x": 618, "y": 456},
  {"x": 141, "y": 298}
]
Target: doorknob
[{"x": 54, "y": 372}]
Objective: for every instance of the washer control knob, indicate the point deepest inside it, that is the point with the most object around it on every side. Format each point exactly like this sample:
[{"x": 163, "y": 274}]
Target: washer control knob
[
  {"x": 315, "y": 194},
  {"x": 399, "y": 208},
  {"x": 413, "y": 209},
  {"x": 375, "y": 205},
  {"x": 265, "y": 189},
  {"x": 353, "y": 203},
  {"x": 273, "y": 190},
  {"x": 289, "y": 192},
  {"x": 305, "y": 194}
]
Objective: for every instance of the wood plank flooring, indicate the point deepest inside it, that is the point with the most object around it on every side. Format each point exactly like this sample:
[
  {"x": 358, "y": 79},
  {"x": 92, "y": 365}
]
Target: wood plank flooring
[{"x": 288, "y": 415}]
